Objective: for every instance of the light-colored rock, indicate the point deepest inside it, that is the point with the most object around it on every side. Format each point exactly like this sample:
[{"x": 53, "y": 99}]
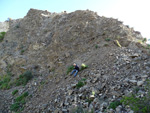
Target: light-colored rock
[
  {"x": 139, "y": 83},
  {"x": 119, "y": 109}
]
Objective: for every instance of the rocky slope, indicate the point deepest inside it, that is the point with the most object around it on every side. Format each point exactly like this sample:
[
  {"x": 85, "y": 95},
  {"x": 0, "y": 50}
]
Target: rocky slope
[{"x": 47, "y": 43}]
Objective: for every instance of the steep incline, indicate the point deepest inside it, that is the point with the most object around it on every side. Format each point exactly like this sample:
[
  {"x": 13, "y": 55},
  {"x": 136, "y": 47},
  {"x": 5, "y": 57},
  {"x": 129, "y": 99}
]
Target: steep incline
[
  {"x": 47, "y": 43},
  {"x": 45, "y": 39}
]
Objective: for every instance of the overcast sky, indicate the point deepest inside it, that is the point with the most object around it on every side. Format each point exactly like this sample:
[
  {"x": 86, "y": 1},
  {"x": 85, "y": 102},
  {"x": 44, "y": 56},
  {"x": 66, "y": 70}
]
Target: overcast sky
[{"x": 135, "y": 13}]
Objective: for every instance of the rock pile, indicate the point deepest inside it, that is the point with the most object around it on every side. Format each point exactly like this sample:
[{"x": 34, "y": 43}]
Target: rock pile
[
  {"x": 46, "y": 43},
  {"x": 106, "y": 83}
]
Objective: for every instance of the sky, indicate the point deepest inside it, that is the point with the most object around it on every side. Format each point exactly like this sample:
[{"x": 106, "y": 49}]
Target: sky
[{"x": 134, "y": 13}]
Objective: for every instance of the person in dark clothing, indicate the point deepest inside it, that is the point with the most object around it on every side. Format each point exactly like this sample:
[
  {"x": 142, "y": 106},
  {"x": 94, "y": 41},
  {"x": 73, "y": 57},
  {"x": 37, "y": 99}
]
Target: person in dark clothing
[{"x": 75, "y": 70}]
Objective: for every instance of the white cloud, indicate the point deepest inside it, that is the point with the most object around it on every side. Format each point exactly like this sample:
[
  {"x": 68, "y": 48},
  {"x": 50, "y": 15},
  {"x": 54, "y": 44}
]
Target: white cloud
[{"x": 134, "y": 13}]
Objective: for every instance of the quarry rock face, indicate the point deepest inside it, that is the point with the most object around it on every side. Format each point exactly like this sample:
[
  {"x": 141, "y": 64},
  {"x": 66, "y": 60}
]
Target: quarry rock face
[
  {"x": 4, "y": 26},
  {"x": 47, "y": 43}
]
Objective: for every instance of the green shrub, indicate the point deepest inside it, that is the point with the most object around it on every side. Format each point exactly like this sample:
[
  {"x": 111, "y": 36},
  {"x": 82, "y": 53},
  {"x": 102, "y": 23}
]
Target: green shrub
[
  {"x": 138, "y": 104},
  {"x": 5, "y": 86},
  {"x": 24, "y": 78},
  {"x": 19, "y": 102},
  {"x": 69, "y": 69},
  {"x": 114, "y": 104},
  {"x": 81, "y": 83},
  {"x": 5, "y": 82},
  {"x": 107, "y": 39},
  {"x": 96, "y": 46},
  {"x": 83, "y": 79},
  {"x": 144, "y": 40},
  {"x": 2, "y": 34},
  {"x": 15, "y": 107},
  {"x": 22, "y": 51},
  {"x": 22, "y": 97},
  {"x": 14, "y": 92}
]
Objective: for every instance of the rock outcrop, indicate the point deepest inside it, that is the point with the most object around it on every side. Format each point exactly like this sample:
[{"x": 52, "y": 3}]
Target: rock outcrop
[
  {"x": 47, "y": 43},
  {"x": 4, "y": 26}
]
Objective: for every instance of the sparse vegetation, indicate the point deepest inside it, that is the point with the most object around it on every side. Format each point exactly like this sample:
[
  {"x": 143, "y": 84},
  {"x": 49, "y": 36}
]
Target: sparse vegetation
[
  {"x": 137, "y": 103},
  {"x": 96, "y": 46},
  {"x": 144, "y": 40},
  {"x": 2, "y": 34},
  {"x": 114, "y": 104},
  {"x": 69, "y": 69},
  {"x": 107, "y": 39},
  {"x": 5, "y": 82},
  {"x": 19, "y": 102},
  {"x": 22, "y": 51},
  {"x": 24, "y": 78},
  {"x": 81, "y": 83},
  {"x": 15, "y": 92}
]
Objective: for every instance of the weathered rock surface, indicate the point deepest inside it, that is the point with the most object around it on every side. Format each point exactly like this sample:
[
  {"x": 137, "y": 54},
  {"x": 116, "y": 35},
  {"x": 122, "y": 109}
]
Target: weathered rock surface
[{"x": 47, "y": 43}]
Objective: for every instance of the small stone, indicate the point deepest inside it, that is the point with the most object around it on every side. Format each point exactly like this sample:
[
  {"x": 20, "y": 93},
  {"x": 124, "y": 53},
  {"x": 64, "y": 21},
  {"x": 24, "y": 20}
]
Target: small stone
[
  {"x": 70, "y": 92},
  {"x": 66, "y": 103},
  {"x": 118, "y": 109},
  {"x": 67, "y": 55},
  {"x": 55, "y": 100},
  {"x": 110, "y": 111},
  {"x": 35, "y": 83},
  {"x": 73, "y": 85},
  {"x": 92, "y": 97},
  {"x": 94, "y": 80},
  {"x": 44, "y": 106},
  {"x": 139, "y": 83},
  {"x": 133, "y": 81},
  {"x": 86, "y": 104},
  {"x": 131, "y": 111},
  {"x": 80, "y": 95},
  {"x": 144, "y": 76},
  {"x": 56, "y": 111},
  {"x": 64, "y": 110}
]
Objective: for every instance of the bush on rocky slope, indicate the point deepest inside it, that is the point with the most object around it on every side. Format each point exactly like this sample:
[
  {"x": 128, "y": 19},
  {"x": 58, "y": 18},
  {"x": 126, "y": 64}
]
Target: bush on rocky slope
[
  {"x": 114, "y": 104},
  {"x": 14, "y": 92},
  {"x": 2, "y": 34},
  {"x": 69, "y": 69},
  {"x": 17, "y": 106},
  {"x": 6, "y": 82},
  {"x": 24, "y": 78},
  {"x": 139, "y": 103}
]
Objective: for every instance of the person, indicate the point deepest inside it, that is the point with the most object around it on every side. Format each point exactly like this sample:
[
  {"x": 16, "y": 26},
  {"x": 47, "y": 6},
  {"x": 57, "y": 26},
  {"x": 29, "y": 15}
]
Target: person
[{"x": 75, "y": 70}]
